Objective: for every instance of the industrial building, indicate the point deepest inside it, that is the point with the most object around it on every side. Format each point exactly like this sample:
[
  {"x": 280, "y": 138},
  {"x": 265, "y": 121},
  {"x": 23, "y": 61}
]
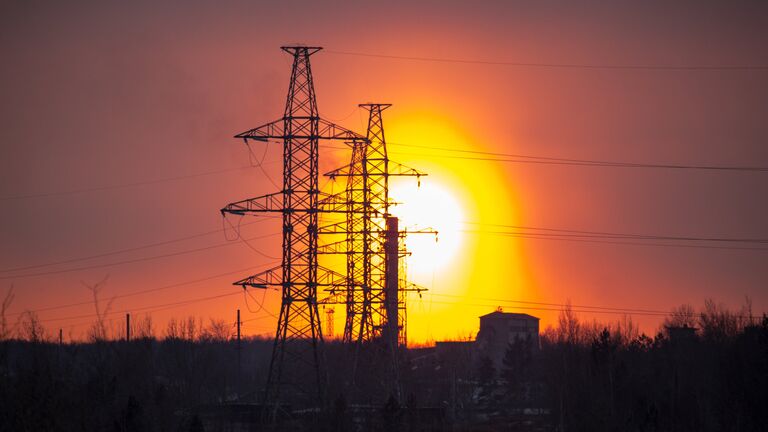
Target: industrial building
[{"x": 499, "y": 329}]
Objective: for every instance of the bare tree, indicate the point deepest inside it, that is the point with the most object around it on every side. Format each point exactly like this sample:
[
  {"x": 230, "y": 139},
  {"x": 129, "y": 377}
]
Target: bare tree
[
  {"x": 30, "y": 328},
  {"x": 682, "y": 316},
  {"x": 717, "y": 322},
  {"x": 172, "y": 329},
  {"x": 626, "y": 331},
  {"x": 745, "y": 315},
  {"x": 217, "y": 331},
  {"x": 145, "y": 329},
  {"x": 569, "y": 327},
  {"x": 98, "y": 331},
  {"x": 190, "y": 329},
  {"x": 5, "y": 331},
  {"x": 193, "y": 328}
]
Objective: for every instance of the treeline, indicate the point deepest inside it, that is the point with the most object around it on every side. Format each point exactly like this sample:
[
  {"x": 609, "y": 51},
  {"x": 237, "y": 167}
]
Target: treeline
[
  {"x": 143, "y": 385},
  {"x": 168, "y": 379},
  {"x": 704, "y": 370}
]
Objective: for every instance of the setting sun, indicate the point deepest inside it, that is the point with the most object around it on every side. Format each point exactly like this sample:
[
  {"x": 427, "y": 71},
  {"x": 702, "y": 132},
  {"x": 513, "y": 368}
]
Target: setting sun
[{"x": 425, "y": 206}]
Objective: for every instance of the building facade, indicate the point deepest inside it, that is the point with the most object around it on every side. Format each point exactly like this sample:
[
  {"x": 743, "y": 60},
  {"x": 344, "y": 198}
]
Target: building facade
[{"x": 500, "y": 329}]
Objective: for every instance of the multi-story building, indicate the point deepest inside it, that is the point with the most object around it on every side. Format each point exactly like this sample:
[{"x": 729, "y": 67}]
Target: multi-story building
[{"x": 499, "y": 329}]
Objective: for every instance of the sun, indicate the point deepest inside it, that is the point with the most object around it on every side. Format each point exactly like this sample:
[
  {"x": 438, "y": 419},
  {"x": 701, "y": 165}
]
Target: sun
[{"x": 423, "y": 206}]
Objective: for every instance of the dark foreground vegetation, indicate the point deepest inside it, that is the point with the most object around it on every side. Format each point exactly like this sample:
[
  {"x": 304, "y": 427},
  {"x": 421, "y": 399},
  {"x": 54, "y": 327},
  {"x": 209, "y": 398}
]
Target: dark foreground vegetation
[{"x": 584, "y": 377}]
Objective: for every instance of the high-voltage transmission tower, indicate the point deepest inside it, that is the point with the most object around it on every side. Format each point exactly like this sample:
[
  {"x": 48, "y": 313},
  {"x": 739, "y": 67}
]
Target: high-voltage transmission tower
[
  {"x": 371, "y": 297},
  {"x": 375, "y": 294},
  {"x": 296, "y": 367}
]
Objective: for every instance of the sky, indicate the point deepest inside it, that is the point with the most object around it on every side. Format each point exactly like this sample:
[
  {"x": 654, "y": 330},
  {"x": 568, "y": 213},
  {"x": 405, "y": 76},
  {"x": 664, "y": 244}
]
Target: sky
[{"x": 117, "y": 119}]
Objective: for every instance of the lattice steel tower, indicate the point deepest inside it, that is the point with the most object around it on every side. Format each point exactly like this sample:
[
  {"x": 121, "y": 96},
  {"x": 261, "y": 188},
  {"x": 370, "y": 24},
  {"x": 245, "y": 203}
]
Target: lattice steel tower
[
  {"x": 296, "y": 366},
  {"x": 369, "y": 311},
  {"x": 375, "y": 294}
]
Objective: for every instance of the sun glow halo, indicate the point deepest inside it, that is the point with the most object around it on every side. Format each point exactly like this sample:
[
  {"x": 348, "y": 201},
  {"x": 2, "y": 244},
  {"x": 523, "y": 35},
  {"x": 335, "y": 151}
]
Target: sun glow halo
[{"x": 428, "y": 206}]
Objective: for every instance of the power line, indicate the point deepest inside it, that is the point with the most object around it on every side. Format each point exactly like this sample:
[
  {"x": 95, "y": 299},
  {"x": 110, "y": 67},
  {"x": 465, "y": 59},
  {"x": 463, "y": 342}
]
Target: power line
[
  {"x": 139, "y": 183},
  {"x": 576, "y": 309},
  {"x": 540, "y": 160},
  {"x": 184, "y": 252},
  {"x": 544, "y": 308},
  {"x": 559, "y": 307},
  {"x": 544, "y": 160},
  {"x": 246, "y": 242},
  {"x": 121, "y": 251},
  {"x": 147, "y": 308},
  {"x": 572, "y": 235},
  {"x": 648, "y": 67},
  {"x": 157, "y": 310},
  {"x": 246, "y": 294},
  {"x": 603, "y": 234},
  {"x": 149, "y": 290},
  {"x": 536, "y": 236},
  {"x": 260, "y": 163},
  {"x": 121, "y": 186},
  {"x": 562, "y": 305}
]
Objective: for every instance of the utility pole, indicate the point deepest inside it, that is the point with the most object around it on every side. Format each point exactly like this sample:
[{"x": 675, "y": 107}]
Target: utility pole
[
  {"x": 238, "y": 342},
  {"x": 127, "y": 327},
  {"x": 239, "y": 349},
  {"x": 238, "y": 330},
  {"x": 296, "y": 362}
]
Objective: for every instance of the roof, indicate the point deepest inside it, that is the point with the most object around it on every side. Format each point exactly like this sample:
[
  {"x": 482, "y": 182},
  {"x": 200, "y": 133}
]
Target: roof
[
  {"x": 510, "y": 315},
  {"x": 468, "y": 342}
]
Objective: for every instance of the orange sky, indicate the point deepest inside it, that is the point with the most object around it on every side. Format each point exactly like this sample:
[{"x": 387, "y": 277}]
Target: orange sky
[{"x": 100, "y": 95}]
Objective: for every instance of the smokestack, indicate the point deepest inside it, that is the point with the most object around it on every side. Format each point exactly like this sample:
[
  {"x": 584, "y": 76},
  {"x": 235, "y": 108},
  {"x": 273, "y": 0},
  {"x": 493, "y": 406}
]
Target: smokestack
[{"x": 390, "y": 332}]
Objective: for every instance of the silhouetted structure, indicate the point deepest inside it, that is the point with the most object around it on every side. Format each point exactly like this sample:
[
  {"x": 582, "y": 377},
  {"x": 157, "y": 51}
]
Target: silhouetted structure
[
  {"x": 369, "y": 266},
  {"x": 371, "y": 290},
  {"x": 499, "y": 329},
  {"x": 375, "y": 293},
  {"x": 296, "y": 355}
]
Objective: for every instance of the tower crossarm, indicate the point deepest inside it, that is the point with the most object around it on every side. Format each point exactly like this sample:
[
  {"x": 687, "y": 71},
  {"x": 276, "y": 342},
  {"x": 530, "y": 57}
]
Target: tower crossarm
[
  {"x": 334, "y": 228},
  {"x": 330, "y": 279},
  {"x": 325, "y": 130},
  {"x": 336, "y": 203},
  {"x": 341, "y": 203},
  {"x": 270, "y": 278},
  {"x": 407, "y": 232},
  {"x": 342, "y": 229},
  {"x": 407, "y": 286},
  {"x": 334, "y": 248},
  {"x": 339, "y": 248},
  {"x": 395, "y": 169},
  {"x": 332, "y": 131},
  {"x": 265, "y": 132},
  {"x": 266, "y": 203},
  {"x": 344, "y": 171},
  {"x": 403, "y": 252}
]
